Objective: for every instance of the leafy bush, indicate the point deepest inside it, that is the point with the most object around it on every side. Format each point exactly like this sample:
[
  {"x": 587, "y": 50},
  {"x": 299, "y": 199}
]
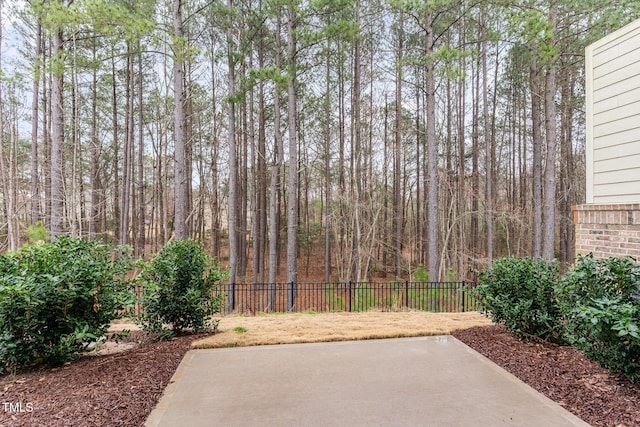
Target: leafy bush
[
  {"x": 37, "y": 233},
  {"x": 601, "y": 315},
  {"x": 335, "y": 301},
  {"x": 55, "y": 297},
  {"x": 178, "y": 289},
  {"x": 420, "y": 274},
  {"x": 364, "y": 298},
  {"x": 520, "y": 293}
]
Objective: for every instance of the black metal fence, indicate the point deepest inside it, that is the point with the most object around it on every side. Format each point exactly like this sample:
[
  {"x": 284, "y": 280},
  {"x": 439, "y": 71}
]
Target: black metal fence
[{"x": 349, "y": 296}]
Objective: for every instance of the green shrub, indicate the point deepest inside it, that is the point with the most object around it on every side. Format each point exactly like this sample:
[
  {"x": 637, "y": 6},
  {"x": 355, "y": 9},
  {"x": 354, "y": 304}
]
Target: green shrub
[
  {"x": 364, "y": 297},
  {"x": 178, "y": 289},
  {"x": 420, "y": 275},
  {"x": 335, "y": 301},
  {"x": 37, "y": 233},
  {"x": 520, "y": 293},
  {"x": 55, "y": 297},
  {"x": 601, "y": 316}
]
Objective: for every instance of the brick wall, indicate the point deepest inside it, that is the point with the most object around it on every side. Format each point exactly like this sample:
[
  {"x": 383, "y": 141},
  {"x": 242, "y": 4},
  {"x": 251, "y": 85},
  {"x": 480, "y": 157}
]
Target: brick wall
[{"x": 607, "y": 229}]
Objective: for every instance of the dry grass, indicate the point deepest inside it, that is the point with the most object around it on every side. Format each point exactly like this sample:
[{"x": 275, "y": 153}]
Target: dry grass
[{"x": 240, "y": 331}]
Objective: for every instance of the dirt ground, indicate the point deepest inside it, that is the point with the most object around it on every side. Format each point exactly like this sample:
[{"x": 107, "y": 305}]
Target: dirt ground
[{"x": 291, "y": 328}]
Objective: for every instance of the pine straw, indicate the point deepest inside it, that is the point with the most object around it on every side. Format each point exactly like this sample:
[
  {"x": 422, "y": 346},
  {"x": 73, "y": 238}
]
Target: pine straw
[{"x": 240, "y": 331}]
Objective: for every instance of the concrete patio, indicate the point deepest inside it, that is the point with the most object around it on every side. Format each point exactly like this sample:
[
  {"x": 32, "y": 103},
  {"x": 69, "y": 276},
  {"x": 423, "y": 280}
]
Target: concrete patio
[{"x": 426, "y": 381}]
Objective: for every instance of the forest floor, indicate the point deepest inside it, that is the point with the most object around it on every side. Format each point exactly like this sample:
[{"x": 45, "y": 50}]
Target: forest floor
[{"x": 121, "y": 386}]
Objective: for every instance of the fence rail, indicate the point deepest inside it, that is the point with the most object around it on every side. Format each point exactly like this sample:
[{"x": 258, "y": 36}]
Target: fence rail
[{"x": 348, "y": 296}]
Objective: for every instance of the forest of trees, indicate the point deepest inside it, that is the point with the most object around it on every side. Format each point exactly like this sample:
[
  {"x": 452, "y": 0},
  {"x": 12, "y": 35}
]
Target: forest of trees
[{"x": 363, "y": 136}]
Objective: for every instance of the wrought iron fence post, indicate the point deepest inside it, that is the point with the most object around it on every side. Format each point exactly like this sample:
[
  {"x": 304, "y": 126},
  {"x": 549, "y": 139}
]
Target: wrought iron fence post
[
  {"x": 350, "y": 290},
  {"x": 290, "y": 296},
  {"x": 406, "y": 294},
  {"x": 231, "y": 306},
  {"x": 464, "y": 293}
]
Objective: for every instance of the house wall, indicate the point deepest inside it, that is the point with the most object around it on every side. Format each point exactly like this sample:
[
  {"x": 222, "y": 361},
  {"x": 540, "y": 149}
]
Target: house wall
[
  {"x": 608, "y": 229},
  {"x": 613, "y": 117},
  {"x": 609, "y": 223}
]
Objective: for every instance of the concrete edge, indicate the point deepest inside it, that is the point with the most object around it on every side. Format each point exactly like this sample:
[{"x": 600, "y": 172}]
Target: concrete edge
[
  {"x": 549, "y": 403},
  {"x": 157, "y": 413}
]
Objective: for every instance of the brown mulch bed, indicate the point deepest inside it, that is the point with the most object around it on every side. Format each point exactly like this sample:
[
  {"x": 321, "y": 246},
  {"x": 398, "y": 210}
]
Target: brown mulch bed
[
  {"x": 122, "y": 389},
  {"x": 562, "y": 374},
  {"x": 113, "y": 390}
]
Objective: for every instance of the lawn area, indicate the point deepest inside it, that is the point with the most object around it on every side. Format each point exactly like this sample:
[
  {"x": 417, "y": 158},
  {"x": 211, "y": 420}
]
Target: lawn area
[{"x": 290, "y": 328}]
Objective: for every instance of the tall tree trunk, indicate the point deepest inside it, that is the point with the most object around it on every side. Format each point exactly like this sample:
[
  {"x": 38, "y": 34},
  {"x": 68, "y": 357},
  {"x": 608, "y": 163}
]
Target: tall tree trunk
[
  {"x": 46, "y": 130},
  {"x": 327, "y": 165},
  {"x": 292, "y": 202},
  {"x": 567, "y": 170},
  {"x": 141, "y": 202},
  {"x": 418, "y": 164},
  {"x": 475, "y": 148},
  {"x": 274, "y": 189},
  {"x": 397, "y": 191},
  {"x": 341, "y": 164},
  {"x": 549, "y": 212},
  {"x": 461, "y": 193},
  {"x": 385, "y": 195},
  {"x": 488, "y": 151},
  {"x": 72, "y": 202},
  {"x": 188, "y": 144},
  {"x": 180, "y": 197},
  {"x": 116, "y": 149},
  {"x": 536, "y": 122},
  {"x": 242, "y": 185},
  {"x": 13, "y": 218},
  {"x": 233, "y": 198},
  {"x": 127, "y": 168},
  {"x": 35, "y": 110},
  {"x": 6, "y": 178},
  {"x": 357, "y": 134},
  {"x": 261, "y": 184},
  {"x": 215, "y": 203},
  {"x": 432, "y": 158},
  {"x": 57, "y": 139},
  {"x": 96, "y": 184}
]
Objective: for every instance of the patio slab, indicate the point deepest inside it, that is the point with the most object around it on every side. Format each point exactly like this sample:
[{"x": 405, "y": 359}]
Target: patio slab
[{"x": 425, "y": 381}]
